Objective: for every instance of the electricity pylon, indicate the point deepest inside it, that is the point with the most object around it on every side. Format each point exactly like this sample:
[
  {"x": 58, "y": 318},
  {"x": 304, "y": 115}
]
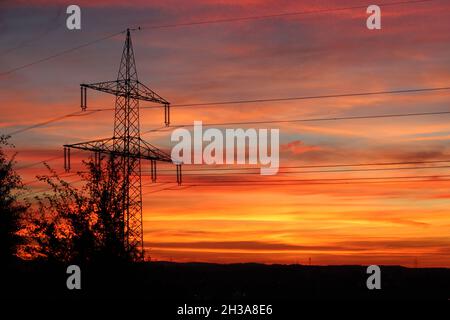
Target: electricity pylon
[{"x": 126, "y": 144}]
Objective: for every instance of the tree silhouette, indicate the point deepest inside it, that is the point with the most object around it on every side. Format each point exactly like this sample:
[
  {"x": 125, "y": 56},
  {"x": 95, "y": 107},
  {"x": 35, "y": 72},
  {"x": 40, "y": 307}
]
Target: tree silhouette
[
  {"x": 11, "y": 210},
  {"x": 82, "y": 224}
]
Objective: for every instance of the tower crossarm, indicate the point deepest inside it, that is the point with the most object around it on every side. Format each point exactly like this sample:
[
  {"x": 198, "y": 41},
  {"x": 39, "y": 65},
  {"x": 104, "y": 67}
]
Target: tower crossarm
[
  {"x": 147, "y": 94},
  {"x": 144, "y": 150},
  {"x": 153, "y": 153},
  {"x": 135, "y": 90},
  {"x": 101, "y": 145},
  {"x": 107, "y": 86}
]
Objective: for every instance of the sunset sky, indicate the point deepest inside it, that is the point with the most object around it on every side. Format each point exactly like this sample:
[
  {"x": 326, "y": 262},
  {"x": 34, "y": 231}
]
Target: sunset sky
[{"x": 353, "y": 219}]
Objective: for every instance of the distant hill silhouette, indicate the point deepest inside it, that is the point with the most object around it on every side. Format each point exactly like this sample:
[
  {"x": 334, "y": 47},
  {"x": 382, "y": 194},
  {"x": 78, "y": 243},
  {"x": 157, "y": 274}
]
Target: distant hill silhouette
[{"x": 204, "y": 282}]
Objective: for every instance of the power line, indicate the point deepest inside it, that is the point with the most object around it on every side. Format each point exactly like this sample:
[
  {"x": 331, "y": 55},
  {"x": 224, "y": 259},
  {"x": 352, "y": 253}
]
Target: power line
[
  {"x": 198, "y": 171},
  {"x": 328, "y": 165},
  {"x": 186, "y": 186},
  {"x": 327, "y": 96},
  {"x": 311, "y": 183},
  {"x": 47, "y": 189},
  {"x": 44, "y": 123},
  {"x": 308, "y": 120},
  {"x": 282, "y": 182},
  {"x": 60, "y": 53},
  {"x": 38, "y": 163},
  {"x": 328, "y": 171},
  {"x": 43, "y": 161},
  {"x": 255, "y": 168},
  {"x": 159, "y": 190},
  {"x": 65, "y": 175},
  {"x": 279, "y": 15},
  {"x": 81, "y": 113},
  {"x": 334, "y": 179},
  {"x": 305, "y": 167},
  {"x": 203, "y": 104},
  {"x": 276, "y": 15},
  {"x": 59, "y": 175},
  {"x": 339, "y": 165},
  {"x": 240, "y": 183},
  {"x": 54, "y": 24},
  {"x": 208, "y": 184},
  {"x": 80, "y": 180}
]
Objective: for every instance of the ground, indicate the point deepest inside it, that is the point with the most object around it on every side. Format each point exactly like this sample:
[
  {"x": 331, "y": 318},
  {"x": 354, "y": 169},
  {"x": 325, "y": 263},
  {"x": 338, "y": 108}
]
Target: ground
[{"x": 239, "y": 283}]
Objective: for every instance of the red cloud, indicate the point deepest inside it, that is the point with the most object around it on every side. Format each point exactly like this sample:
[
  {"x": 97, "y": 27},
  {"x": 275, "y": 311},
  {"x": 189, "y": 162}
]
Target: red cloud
[{"x": 298, "y": 147}]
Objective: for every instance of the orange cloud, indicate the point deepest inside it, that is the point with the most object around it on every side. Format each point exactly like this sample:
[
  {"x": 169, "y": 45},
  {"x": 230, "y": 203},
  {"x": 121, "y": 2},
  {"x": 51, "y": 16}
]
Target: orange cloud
[{"x": 298, "y": 147}]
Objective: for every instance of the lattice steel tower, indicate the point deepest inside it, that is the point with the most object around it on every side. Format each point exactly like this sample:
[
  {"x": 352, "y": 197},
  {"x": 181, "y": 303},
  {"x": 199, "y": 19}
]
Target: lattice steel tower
[{"x": 126, "y": 144}]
